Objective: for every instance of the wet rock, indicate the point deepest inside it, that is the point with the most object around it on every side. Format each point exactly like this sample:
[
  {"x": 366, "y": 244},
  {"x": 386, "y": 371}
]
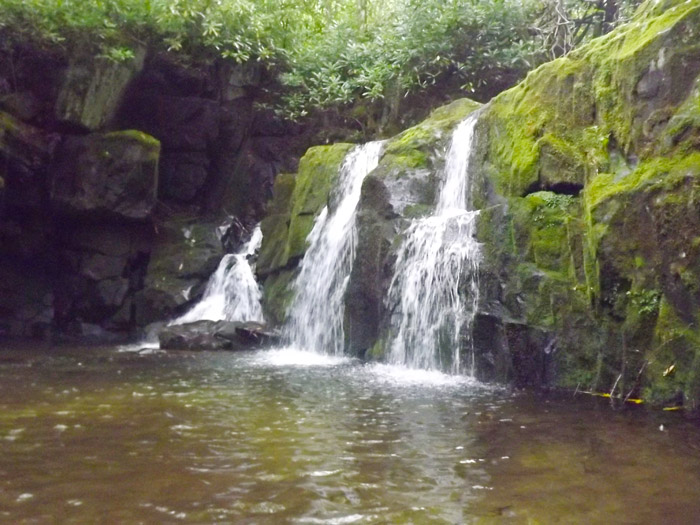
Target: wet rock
[
  {"x": 403, "y": 186},
  {"x": 183, "y": 256},
  {"x": 112, "y": 175},
  {"x": 215, "y": 335}
]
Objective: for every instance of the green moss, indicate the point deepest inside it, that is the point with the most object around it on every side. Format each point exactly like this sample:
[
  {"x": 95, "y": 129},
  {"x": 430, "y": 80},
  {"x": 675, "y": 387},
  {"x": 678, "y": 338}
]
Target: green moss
[
  {"x": 411, "y": 146},
  {"x": 550, "y": 115},
  {"x": 318, "y": 170},
  {"x": 278, "y": 294},
  {"x": 654, "y": 173},
  {"x": 415, "y": 211},
  {"x": 137, "y": 136},
  {"x": 674, "y": 361},
  {"x": 406, "y": 159},
  {"x": 275, "y": 226}
]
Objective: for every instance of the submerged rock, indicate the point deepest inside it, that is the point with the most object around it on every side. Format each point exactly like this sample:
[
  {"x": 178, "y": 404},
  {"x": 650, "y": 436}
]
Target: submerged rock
[{"x": 216, "y": 335}]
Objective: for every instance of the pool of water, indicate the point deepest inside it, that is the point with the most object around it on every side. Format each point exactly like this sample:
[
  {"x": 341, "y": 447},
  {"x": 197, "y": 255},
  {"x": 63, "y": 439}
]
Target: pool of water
[{"x": 108, "y": 435}]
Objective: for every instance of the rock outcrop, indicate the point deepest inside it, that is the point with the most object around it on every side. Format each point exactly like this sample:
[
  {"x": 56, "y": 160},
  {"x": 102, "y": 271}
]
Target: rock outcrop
[
  {"x": 297, "y": 199},
  {"x": 116, "y": 179},
  {"x": 587, "y": 177}
]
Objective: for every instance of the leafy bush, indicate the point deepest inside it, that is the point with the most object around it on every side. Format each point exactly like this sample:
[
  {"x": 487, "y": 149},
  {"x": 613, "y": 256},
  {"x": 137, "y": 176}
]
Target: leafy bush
[{"x": 327, "y": 53}]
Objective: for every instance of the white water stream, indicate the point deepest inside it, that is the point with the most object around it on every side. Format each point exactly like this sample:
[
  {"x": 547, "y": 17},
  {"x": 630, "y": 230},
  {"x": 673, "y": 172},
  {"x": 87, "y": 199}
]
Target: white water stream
[
  {"x": 434, "y": 291},
  {"x": 316, "y": 316},
  {"x": 232, "y": 293}
]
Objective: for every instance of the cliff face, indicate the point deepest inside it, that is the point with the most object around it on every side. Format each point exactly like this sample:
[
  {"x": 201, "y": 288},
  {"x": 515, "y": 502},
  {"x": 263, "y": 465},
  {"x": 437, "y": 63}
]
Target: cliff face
[
  {"x": 588, "y": 180},
  {"x": 114, "y": 177}
]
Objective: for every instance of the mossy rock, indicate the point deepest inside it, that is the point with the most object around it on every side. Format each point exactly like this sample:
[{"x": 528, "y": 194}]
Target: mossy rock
[
  {"x": 278, "y": 293},
  {"x": 618, "y": 92},
  {"x": 106, "y": 174},
  {"x": 609, "y": 252},
  {"x": 93, "y": 87},
  {"x": 296, "y": 200}
]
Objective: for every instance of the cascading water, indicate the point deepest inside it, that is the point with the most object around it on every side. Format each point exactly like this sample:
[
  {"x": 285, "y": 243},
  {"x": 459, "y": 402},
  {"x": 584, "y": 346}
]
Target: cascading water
[
  {"x": 232, "y": 293},
  {"x": 316, "y": 316},
  {"x": 437, "y": 260}
]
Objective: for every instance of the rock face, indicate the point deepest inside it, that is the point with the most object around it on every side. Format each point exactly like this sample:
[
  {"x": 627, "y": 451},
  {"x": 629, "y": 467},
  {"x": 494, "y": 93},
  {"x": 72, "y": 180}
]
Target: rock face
[
  {"x": 92, "y": 89},
  {"x": 115, "y": 177},
  {"x": 111, "y": 174},
  {"x": 589, "y": 188}
]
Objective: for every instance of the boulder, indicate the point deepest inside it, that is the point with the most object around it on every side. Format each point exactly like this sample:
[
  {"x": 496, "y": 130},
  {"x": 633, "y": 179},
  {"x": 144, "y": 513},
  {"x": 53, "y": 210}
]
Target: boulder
[
  {"x": 93, "y": 87},
  {"x": 216, "y": 335},
  {"x": 110, "y": 175}
]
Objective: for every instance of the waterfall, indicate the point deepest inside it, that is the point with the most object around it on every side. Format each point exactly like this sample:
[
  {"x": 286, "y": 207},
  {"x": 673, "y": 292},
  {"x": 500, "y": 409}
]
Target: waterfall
[
  {"x": 232, "y": 293},
  {"x": 316, "y": 315},
  {"x": 436, "y": 267}
]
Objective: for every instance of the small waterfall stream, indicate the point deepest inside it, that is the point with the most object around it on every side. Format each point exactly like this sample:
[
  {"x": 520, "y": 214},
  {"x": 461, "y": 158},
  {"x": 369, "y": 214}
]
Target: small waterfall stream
[
  {"x": 316, "y": 316},
  {"x": 426, "y": 294},
  {"x": 232, "y": 293}
]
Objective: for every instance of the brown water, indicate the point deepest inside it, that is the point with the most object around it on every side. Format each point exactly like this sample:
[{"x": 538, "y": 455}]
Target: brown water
[{"x": 105, "y": 436}]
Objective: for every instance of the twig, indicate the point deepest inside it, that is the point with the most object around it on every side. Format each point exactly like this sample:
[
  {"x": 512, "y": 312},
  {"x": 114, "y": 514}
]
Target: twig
[{"x": 637, "y": 379}]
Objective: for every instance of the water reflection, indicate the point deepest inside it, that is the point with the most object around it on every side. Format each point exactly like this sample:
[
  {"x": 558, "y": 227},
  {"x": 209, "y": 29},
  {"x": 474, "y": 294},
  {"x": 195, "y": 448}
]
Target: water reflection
[{"x": 98, "y": 435}]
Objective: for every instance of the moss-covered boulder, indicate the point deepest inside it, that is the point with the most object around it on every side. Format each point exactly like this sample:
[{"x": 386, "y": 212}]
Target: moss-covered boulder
[
  {"x": 588, "y": 179},
  {"x": 111, "y": 174}
]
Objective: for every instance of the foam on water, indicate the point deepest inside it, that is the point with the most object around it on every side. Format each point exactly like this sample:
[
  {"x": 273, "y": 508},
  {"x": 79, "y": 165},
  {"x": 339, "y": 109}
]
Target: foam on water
[
  {"x": 296, "y": 357},
  {"x": 398, "y": 375}
]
